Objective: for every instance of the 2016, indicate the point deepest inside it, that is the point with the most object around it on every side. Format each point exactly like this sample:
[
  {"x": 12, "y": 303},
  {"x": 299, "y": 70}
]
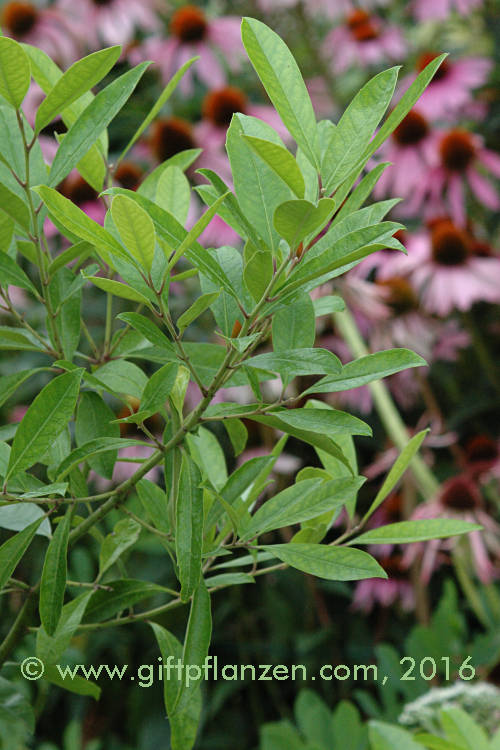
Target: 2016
[{"x": 428, "y": 668}]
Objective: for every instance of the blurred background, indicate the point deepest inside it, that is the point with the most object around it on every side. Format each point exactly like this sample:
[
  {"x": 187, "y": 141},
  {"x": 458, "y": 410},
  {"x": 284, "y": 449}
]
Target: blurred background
[{"x": 442, "y": 300}]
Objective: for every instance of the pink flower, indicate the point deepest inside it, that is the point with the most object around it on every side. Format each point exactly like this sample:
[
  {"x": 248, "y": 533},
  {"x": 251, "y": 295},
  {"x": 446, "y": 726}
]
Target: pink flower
[
  {"x": 459, "y": 497},
  {"x": 192, "y": 33},
  {"x": 218, "y": 108},
  {"x": 446, "y": 271},
  {"x": 336, "y": 8},
  {"x": 386, "y": 592},
  {"x": 328, "y": 8},
  {"x": 482, "y": 456},
  {"x": 269, "y": 5},
  {"x": 426, "y": 10},
  {"x": 363, "y": 40},
  {"x": 463, "y": 160},
  {"x": 451, "y": 339},
  {"x": 411, "y": 151},
  {"x": 450, "y": 91},
  {"x": 46, "y": 28},
  {"x": 406, "y": 327},
  {"x": 111, "y": 21}
]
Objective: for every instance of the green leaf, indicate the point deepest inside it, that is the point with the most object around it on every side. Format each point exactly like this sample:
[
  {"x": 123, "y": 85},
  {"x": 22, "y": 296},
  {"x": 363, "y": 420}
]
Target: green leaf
[
  {"x": 155, "y": 503},
  {"x": 281, "y": 77},
  {"x": 230, "y": 211},
  {"x": 332, "y": 563},
  {"x": 18, "y": 516},
  {"x": 196, "y": 230},
  {"x": 65, "y": 294},
  {"x": 300, "y": 502},
  {"x": 229, "y": 579},
  {"x": 173, "y": 193},
  {"x": 295, "y": 220},
  {"x": 50, "y": 648},
  {"x": 206, "y": 451},
  {"x": 136, "y": 230},
  {"x": 367, "y": 369},
  {"x": 10, "y": 383},
  {"x": 189, "y": 527},
  {"x": 325, "y": 422},
  {"x": 118, "y": 596},
  {"x": 11, "y": 273},
  {"x": 406, "y": 532},
  {"x": 183, "y": 160},
  {"x": 196, "y": 642},
  {"x": 46, "y": 417},
  {"x": 297, "y": 362},
  {"x": 79, "y": 78},
  {"x": 341, "y": 256},
  {"x": 280, "y": 160},
  {"x": 16, "y": 338},
  {"x": 94, "y": 420},
  {"x": 360, "y": 193},
  {"x": 183, "y": 724},
  {"x": 158, "y": 105},
  {"x": 93, "y": 448},
  {"x": 294, "y": 325},
  {"x": 411, "y": 95},
  {"x": 15, "y": 71},
  {"x": 355, "y": 128},
  {"x": 237, "y": 433},
  {"x": 6, "y": 231},
  {"x": 158, "y": 388},
  {"x": 433, "y": 742},
  {"x": 72, "y": 218},
  {"x": 76, "y": 684},
  {"x": 149, "y": 330},
  {"x": 124, "y": 535},
  {"x": 238, "y": 483},
  {"x": 327, "y": 305},
  {"x": 167, "y": 227},
  {"x": 117, "y": 288},
  {"x": 46, "y": 73},
  {"x": 80, "y": 250},
  {"x": 312, "y": 437},
  {"x": 13, "y": 549},
  {"x": 461, "y": 729},
  {"x": 53, "y": 581},
  {"x": 14, "y": 206},
  {"x": 56, "y": 488},
  {"x": 258, "y": 188},
  {"x": 397, "y": 470},
  {"x": 120, "y": 376},
  {"x": 389, "y": 737},
  {"x": 314, "y": 719},
  {"x": 347, "y": 726},
  {"x": 208, "y": 263},
  {"x": 91, "y": 123},
  {"x": 258, "y": 271},
  {"x": 197, "y": 308}
]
